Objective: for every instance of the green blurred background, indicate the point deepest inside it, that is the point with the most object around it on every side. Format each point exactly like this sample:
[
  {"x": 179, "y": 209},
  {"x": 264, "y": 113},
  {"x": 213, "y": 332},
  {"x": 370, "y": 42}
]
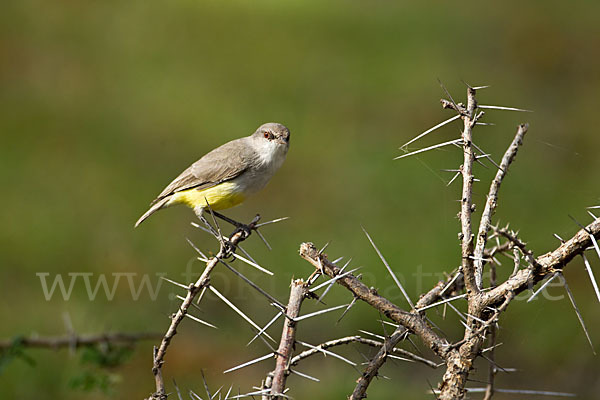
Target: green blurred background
[{"x": 103, "y": 103}]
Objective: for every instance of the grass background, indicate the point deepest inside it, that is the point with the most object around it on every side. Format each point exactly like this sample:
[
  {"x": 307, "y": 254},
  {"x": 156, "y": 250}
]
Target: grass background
[{"x": 103, "y": 103}]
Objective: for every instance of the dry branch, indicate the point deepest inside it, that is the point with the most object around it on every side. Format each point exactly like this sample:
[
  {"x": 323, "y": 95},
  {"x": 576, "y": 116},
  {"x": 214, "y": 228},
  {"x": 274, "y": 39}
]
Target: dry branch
[
  {"x": 469, "y": 119},
  {"x": 492, "y": 201},
  {"x": 410, "y": 320},
  {"x": 74, "y": 341},
  {"x": 372, "y": 369},
  {"x": 227, "y": 246},
  {"x": 359, "y": 339},
  {"x": 545, "y": 264},
  {"x": 299, "y": 290}
]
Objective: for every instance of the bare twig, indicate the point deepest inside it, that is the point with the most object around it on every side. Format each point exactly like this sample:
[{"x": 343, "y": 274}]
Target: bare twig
[
  {"x": 370, "y": 372},
  {"x": 159, "y": 353},
  {"x": 492, "y": 201},
  {"x": 299, "y": 290},
  {"x": 545, "y": 264},
  {"x": 359, "y": 339},
  {"x": 469, "y": 120},
  {"x": 412, "y": 321},
  {"x": 74, "y": 341},
  {"x": 489, "y": 390}
]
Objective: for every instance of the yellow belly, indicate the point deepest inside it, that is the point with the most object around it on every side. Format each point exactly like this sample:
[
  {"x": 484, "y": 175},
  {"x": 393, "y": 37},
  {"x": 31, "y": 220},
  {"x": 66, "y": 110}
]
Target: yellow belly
[{"x": 220, "y": 197}]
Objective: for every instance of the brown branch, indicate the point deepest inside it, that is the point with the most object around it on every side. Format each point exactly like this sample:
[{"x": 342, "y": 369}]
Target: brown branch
[
  {"x": 492, "y": 201},
  {"x": 372, "y": 369},
  {"x": 489, "y": 389},
  {"x": 412, "y": 321},
  {"x": 299, "y": 290},
  {"x": 362, "y": 340},
  {"x": 519, "y": 244},
  {"x": 545, "y": 264},
  {"x": 459, "y": 363},
  {"x": 227, "y": 246},
  {"x": 469, "y": 119},
  {"x": 74, "y": 341}
]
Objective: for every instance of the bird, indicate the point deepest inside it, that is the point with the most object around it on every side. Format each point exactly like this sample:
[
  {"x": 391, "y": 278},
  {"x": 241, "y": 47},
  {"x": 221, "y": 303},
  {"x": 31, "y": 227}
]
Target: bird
[{"x": 227, "y": 175}]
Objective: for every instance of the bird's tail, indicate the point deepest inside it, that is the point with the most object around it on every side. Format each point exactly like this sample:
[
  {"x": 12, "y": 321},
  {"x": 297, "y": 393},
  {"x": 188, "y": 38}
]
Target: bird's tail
[{"x": 155, "y": 207}]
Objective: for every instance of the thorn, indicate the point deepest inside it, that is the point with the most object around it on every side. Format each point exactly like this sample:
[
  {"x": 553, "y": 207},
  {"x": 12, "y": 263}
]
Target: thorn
[
  {"x": 448, "y": 94},
  {"x": 177, "y": 390},
  {"x": 254, "y": 361},
  {"x": 260, "y": 235},
  {"x": 212, "y": 214},
  {"x": 454, "y": 178},
  {"x": 503, "y": 108},
  {"x": 196, "y": 225},
  {"x": 372, "y": 334},
  {"x": 200, "y": 321},
  {"x": 313, "y": 314},
  {"x": 347, "y": 309},
  {"x": 201, "y": 295},
  {"x": 175, "y": 283},
  {"x": 271, "y": 222},
  {"x": 454, "y": 278},
  {"x": 591, "y": 274},
  {"x": 196, "y": 248},
  {"x": 430, "y": 130},
  {"x": 327, "y": 352},
  {"x": 271, "y": 322},
  {"x": 253, "y": 264},
  {"x": 337, "y": 260},
  {"x": 461, "y": 296},
  {"x": 389, "y": 269},
  {"x": 484, "y": 154},
  {"x": 205, "y": 384},
  {"x": 304, "y": 375},
  {"x": 324, "y": 247},
  {"x": 254, "y": 285},
  {"x": 587, "y": 335},
  {"x": 400, "y": 358},
  {"x": 543, "y": 286},
  {"x": 331, "y": 281},
  {"x": 237, "y": 310},
  {"x": 455, "y": 141},
  {"x": 246, "y": 254}
]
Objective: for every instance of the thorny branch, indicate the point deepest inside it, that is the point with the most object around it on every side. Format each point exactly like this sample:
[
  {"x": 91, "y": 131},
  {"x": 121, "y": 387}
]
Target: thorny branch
[
  {"x": 372, "y": 369},
  {"x": 485, "y": 305},
  {"x": 492, "y": 201},
  {"x": 299, "y": 290},
  {"x": 359, "y": 339},
  {"x": 411, "y": 320},
  {"x": 469, "y": 119},
  {"x": 227, "y": 246},
  {"x": 74, "y": 341}
]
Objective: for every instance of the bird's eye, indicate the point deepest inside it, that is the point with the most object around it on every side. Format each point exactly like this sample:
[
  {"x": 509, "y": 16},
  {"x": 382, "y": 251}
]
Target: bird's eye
[{"x": 266, "y": 135}]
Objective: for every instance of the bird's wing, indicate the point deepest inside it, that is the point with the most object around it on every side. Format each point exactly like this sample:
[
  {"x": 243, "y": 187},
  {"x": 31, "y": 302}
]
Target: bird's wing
[{"x": 222, "y": 164}]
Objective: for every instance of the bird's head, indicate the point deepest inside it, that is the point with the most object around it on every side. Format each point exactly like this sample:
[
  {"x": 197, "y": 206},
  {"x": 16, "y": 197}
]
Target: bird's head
[{"x": 274, "y": 133}]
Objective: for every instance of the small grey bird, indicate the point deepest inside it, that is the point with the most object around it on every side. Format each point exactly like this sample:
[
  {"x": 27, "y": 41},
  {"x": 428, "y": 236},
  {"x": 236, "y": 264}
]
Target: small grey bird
[{"x": 226, "y": 176}]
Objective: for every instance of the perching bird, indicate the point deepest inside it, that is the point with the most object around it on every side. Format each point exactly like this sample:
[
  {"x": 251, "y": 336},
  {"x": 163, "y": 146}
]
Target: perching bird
[{"x": 226, "y": 176}]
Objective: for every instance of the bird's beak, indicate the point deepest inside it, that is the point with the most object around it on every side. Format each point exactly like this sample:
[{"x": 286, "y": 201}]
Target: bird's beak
[{"x": 280, "y": 141}]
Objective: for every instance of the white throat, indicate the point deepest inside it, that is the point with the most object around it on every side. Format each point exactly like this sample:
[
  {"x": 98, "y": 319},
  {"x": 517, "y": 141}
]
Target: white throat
[{"x": 270, "y": 154}]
